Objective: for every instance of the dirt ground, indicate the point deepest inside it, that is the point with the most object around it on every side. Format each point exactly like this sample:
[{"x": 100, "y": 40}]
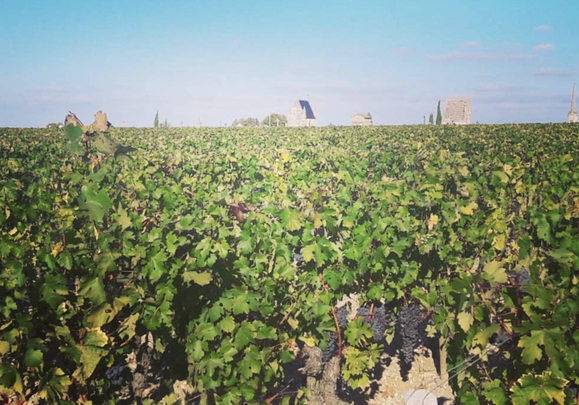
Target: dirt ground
[{"x": 422, "y": 375}]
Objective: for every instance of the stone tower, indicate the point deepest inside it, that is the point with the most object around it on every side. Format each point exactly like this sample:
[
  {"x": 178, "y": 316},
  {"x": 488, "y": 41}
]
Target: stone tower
[
  {"x": 457, "y": 111},
  {"x": 573, "y": 115}
]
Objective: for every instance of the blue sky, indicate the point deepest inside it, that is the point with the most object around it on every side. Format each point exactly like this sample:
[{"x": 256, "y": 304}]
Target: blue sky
[{"x": 221, "y": 60}]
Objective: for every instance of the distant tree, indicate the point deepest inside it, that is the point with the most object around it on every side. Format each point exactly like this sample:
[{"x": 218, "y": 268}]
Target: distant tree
[
  {"x": 245, "y": 122},
  {"x": 271, "y": 120},
  {"x": 431, "y": 118},
  {"x": 156, "y": 122},
  {"x": 166, "y": 125},
  {"x": 438, "y": 115}
]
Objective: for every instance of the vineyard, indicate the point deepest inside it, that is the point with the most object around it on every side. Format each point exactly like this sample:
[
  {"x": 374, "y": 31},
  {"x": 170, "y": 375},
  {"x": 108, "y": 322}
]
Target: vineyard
[{"x": 210, "y": 266}]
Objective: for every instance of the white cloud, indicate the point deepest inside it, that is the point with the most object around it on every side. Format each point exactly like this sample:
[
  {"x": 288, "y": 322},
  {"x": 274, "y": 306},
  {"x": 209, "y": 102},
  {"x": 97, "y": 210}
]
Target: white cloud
[
  {"x": 470, "y": 44},
  {"x": 553, "y": 72},
  {"x": 481, "y": 56},
  {"x": 544, "y": 47},
  {"x": 506, "y": 96},
  {"x": 543, "y": 28}
]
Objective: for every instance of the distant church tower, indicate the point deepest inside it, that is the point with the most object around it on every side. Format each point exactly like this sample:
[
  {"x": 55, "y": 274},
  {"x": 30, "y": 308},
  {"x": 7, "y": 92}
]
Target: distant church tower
[{"x": 573, "y": 115}]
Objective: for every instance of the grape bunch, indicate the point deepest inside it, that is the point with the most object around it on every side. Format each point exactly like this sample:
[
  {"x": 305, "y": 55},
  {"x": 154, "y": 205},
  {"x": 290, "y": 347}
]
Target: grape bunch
[
  {"x": 524, "y": 276},
  {"x": 410, "y": 325},
  {"x": 114, "y": 374},
  {"x": 298, "y": 258},
  {"x": 342, "y": 315},
  {"x": 380, "y": 320},
  {"x": 521, "y": 277},
  {"x": 332, "y": 348},
  {"x": 501, "y": 337}
]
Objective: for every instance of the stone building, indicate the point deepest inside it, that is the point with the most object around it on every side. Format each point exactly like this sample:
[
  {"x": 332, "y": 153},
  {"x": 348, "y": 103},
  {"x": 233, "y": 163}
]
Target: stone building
[
  {"x": 301, "y": 115},
  {"x": 573, "y": 115},
  {"x": 457, "y": 111},
  {"x": 362, "y": 120}
]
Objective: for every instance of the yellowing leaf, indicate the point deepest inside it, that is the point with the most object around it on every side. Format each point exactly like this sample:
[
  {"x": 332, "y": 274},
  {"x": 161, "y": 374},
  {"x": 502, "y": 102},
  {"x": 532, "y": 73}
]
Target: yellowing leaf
[
  {"x": 469, "y": 209},
  {"x": 293, "y": 323},
  {"x": 13, "y": 231},
  {"x": 308, "y": 340},
  {"x": 432, "y": 221},
  {"x": 463, "y": 171},
  {"x": 285, "y": 155},
  {"x": 495, "y": 273},
  {"x": 499, "y": 241},
  {"x": 318, "y": 221},
  {"x": 202, "y": 278},
  {"x": 308, "y": 252},
  {"x": 483, "y": 336},
  {"x": 4, "y": 347},
  {"x": 96, "y": 337},
  {"x": 465, "y": 321},
  {"x": 508, "y": 169}
]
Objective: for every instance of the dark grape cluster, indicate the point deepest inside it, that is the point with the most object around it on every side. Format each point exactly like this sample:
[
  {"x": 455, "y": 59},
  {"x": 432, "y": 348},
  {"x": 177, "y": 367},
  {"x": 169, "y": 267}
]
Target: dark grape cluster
[
  {"x": 332, "y": 348},
  {"x": 410, "y": 326},
  {"x": 574, "y": 390},
  {"x": 501, "y": 337},
  {"x": 380, "y": 321},
  {"x": 114, "y": 374},
  {"x": 521, "y": 277},
  {"x": 342, "y": 315},
  {"x": 524, "y": 276},
  {"x": 298, "y": 258}
]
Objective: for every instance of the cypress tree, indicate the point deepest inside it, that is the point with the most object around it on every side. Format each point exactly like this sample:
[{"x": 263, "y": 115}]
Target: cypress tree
[
  {"x": 156, "y": 122},
  {"x": 438, "y": 115},
  {"x": 431, "y": 118}
]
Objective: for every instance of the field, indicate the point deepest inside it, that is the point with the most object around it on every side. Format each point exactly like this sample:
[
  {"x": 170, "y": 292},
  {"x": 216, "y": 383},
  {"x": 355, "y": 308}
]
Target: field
[{"x": 206, "y": 264}]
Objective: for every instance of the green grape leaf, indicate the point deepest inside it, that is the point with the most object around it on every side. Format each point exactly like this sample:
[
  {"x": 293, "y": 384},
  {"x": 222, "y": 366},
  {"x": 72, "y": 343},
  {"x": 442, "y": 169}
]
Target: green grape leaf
[
  {"x": 33, "y": 357},
  {"x": 74, "y": 136},
  {"x": 308, "y": 252},
  {"x": 227, "y": 324},
  {"x": 291, "y": 219},
  {"x": 123, "y": 219},
  {"x": 245, "y": 334},
  {"x": 93, "y": 289}
]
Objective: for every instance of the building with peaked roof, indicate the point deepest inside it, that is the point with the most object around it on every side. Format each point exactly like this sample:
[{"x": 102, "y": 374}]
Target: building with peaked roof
[
  {"x": 457, "y": 111},
  {"x": 301, "y": 115},
  {"x": 573, "y": 115},
  {"x": 362, "y": 120}
]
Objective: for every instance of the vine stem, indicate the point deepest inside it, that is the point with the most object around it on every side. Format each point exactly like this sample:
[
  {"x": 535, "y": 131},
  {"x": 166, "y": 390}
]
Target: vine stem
[
  {"x": 484, "y": 367},
  {"x": 287, "y": 314},
  {"x": 494, "y": 311},
  {"x": 338, "y": 331},
  {"x": 282, "y": 392}
]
